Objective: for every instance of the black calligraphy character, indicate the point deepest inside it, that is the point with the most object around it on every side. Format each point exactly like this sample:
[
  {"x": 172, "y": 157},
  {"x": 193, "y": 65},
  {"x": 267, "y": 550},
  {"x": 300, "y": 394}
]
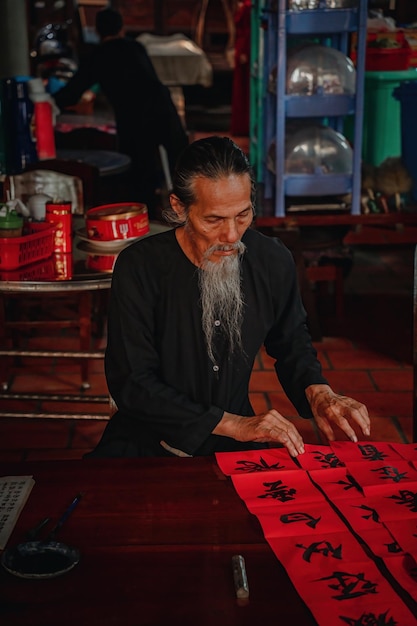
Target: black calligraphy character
[
  {"x": 262, "y": 466},
  {"x": 390, "y": 472},
  {"x": 278, "y": 491},
  {"x": 407, "y": 498},
  {"x": 371, "y": 453},
  {"x": 320, "y": 547},
  {"x": 350, "y": 585},
  {"x": 410, "y": 566},
  {"x": 393, "y": 548},
  {"x": 373, "y": 515},
  {"x": 349, "y": 483},
  {"x": 290, "y": 518},
  {"x": 327, "y": 460},
  {"x": 370, "y": 619}
]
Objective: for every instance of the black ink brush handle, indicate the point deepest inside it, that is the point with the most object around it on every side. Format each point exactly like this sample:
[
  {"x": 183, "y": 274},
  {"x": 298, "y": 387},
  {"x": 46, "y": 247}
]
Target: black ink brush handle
[
  {"x": 32, "y": 533},
  {"x": 64, "y": 517}
]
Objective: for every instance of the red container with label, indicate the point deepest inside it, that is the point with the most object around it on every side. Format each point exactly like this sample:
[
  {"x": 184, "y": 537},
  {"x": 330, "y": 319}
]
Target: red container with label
[
  {"x": 44, "y": 131},
  {"x": 59, "y": 214},
  {"x": 63, "y": 265},
  {"x": 113, "y": 222}
]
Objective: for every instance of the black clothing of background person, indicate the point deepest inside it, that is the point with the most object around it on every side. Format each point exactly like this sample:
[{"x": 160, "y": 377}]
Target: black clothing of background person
[{"x": 144, "y": 112}]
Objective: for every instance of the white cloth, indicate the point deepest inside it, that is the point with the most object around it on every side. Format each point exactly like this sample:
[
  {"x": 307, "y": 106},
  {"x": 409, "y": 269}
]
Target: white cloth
[{"x": 177, "y": 59}]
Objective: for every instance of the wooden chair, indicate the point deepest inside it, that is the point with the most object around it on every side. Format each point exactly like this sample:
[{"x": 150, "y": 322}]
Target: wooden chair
[{"x": 330, "y": 275}]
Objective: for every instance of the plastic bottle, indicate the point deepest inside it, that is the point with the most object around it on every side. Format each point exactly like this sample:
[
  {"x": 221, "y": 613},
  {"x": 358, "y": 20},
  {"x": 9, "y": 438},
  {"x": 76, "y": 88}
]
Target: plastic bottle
[
  {"x": 43, "y": 119},
  {"x": 16, "y": 112}
]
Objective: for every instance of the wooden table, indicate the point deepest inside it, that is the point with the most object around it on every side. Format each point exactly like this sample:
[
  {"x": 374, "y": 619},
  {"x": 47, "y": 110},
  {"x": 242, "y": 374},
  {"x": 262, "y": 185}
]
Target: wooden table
[
  {"x": 401, "y": 218},
  {"x": 156, "y": 538},
  {"x": 82, "y": 287}
]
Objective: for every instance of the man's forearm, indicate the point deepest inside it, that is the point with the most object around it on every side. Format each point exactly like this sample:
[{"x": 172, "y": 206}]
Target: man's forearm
[{"x": 228, "y": 425}]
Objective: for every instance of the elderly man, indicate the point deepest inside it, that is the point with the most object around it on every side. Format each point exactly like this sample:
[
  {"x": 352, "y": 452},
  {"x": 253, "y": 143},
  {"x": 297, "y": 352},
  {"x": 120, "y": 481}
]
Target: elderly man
[{"x": 191, "y": 307}]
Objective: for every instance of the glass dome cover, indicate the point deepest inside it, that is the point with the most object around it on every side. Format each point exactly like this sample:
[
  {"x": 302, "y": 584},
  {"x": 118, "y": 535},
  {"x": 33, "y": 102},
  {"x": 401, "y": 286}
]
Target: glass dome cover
[
  {"x": 319, "y": 70},
  {"x": 317, "y": 150}
]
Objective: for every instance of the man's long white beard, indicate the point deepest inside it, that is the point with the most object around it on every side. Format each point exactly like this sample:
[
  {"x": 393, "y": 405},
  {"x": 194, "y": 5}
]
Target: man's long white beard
[{"x": 222, "y": 298}]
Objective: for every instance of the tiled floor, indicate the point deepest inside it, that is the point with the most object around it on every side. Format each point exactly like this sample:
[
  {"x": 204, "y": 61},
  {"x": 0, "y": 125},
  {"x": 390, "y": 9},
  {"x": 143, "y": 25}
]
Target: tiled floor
[{"x": 367, "y": 354}]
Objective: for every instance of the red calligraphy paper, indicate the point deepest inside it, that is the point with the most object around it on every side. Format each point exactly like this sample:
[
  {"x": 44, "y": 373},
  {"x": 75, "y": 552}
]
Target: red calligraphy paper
[
  {"x": 405, "y": 532},
  {"x": 288, "y": 519},
  {"x": 381, "y": 612},
  {"x": 395, "y": 504},
  {"x": 347, "y": 584},
  {"x": 403, "y": 568},
  {"x": 363, "y": 451},
  {"x": 255, "y": 461},
  {"x": 274, "y": 488},
  {"x": 319, "y": 457},
  {"x": 406, "y": 450},
  {"x": 382, "y": 543},
  {"x": 337, "y": 484},
  {"x": 338, "y": 529},
  {"x": 316, "y": 554},
  {"x": 381, "y": 476}
]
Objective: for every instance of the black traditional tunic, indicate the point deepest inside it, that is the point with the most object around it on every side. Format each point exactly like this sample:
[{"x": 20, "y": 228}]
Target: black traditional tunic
[{"x": 157, "y": 367}]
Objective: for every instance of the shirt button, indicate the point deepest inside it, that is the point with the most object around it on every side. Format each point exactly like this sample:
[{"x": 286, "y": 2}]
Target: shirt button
[
  {"x": 216, "y": 368},
  {"x": 217, "y": 323}
]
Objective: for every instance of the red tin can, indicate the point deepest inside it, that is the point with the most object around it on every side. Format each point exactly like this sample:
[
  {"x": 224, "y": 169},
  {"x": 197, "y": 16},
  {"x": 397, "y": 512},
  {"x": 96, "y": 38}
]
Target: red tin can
[
  {"x": 59, "y": 213},
  {"x": 121, "y": 221}
]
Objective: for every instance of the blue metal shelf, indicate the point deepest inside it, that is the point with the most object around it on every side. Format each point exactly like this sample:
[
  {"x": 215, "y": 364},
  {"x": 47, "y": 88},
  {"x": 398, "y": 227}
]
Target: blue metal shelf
[
  {"x": 321, "y": 21},
  {"x": 317, "y": 184},
  {"x": 333, "y": 27},
  {"x": 319, "y": 106}
]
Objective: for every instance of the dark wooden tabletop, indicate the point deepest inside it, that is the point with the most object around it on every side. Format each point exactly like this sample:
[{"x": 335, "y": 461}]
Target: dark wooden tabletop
[
  {"x": 342, "y": 219},
  {"x": 156, "y": 538},
  {"x": 108, "y": 162}
]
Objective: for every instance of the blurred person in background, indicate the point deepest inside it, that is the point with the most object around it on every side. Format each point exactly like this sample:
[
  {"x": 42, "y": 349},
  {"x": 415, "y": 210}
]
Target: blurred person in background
[{"x": 144, "y": 112}]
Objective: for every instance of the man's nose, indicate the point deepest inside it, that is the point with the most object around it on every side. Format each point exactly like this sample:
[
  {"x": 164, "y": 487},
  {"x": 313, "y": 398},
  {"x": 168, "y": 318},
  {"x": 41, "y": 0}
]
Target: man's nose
[{"x": 230, "y": 232}]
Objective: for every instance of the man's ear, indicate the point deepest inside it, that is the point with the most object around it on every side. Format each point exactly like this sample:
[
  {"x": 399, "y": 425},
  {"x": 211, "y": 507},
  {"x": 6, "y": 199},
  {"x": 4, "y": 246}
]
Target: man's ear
[{"x": 177, "y": 206}]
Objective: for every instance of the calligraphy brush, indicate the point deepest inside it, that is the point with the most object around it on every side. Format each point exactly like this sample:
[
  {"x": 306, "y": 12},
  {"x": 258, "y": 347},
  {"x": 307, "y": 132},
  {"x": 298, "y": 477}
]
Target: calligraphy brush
[
  {"x": 64, "y": 517},
  {"x": 31, "y": 534}
]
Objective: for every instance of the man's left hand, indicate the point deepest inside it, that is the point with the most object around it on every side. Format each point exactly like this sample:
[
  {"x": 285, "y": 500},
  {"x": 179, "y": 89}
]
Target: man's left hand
[{"x": 331, "y": 409}]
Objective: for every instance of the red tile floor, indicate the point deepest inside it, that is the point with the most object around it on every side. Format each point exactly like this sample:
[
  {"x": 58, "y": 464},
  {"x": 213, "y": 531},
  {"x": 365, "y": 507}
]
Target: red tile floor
[{"x": 367, "y": 354}]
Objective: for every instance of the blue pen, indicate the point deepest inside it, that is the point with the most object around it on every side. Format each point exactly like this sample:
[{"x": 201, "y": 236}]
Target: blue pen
[{"x": 64, "y": 517}]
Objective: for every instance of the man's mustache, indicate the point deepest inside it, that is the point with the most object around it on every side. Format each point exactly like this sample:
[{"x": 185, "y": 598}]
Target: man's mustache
[{"x": 238, "y": 246}]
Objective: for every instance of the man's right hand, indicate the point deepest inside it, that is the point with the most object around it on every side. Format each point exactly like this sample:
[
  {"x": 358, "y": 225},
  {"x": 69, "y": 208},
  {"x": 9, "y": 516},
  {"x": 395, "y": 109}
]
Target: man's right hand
[{"x": 264, "y": 428}]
